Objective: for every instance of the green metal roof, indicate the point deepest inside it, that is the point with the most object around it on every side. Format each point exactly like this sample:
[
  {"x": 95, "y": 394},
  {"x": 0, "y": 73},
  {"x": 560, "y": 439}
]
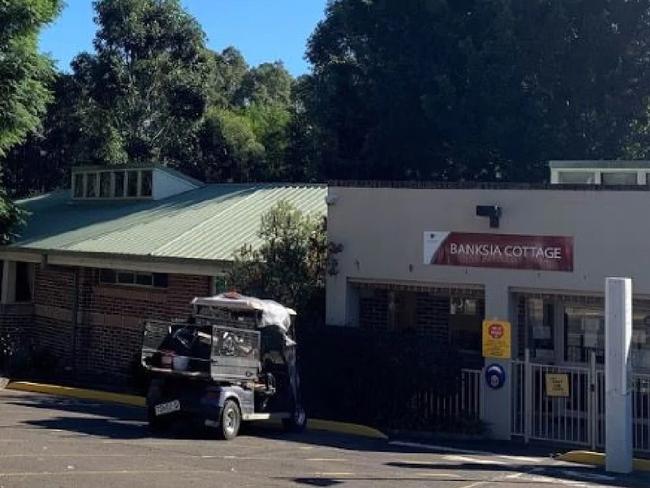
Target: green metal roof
[{"x": 209, "y": 223}]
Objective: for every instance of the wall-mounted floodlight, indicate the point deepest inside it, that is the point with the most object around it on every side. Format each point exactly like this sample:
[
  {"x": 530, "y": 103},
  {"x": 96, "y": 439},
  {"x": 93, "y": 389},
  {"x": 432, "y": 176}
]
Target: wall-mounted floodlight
[{"x": 492, "y": 211}]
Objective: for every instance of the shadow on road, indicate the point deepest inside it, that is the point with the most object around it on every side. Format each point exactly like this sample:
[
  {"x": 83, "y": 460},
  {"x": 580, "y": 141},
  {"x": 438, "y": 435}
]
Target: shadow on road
[
  {"x": 546, "y": 473},
  {"x": 127, "y": 423}
]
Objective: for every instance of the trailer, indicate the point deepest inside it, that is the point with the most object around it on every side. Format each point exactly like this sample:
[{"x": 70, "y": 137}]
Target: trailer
[{"x": 232, "y": 360}]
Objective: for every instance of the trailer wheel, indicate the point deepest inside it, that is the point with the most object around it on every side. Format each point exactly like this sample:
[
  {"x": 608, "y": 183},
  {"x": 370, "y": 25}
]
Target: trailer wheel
[
  {"x": 230, "y": 420},
  {"x": 297, "y": 423}
]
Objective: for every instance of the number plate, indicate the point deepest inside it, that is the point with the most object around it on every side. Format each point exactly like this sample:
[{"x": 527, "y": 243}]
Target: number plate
[{"x": 169, "y": 407}]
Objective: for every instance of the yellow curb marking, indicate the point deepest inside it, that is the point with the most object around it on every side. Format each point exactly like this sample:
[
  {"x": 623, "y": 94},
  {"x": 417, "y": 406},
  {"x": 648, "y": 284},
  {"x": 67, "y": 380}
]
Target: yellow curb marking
[
  {"x": 137, "y": 401},
  {"x": 598, "y": 459}
]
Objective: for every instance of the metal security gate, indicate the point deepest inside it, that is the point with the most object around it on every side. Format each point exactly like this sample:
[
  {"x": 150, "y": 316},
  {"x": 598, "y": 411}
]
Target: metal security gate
[{"x": 578, "y": 418}]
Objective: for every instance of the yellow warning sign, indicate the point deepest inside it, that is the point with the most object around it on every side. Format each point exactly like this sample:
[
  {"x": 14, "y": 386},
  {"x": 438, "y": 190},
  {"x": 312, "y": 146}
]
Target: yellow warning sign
[
  {"x": 557, "y": 385},
  {"x": 496, "y": 339}
]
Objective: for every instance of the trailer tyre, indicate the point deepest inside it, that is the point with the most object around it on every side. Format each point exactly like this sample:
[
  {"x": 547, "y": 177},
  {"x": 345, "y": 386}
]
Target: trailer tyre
[
  {"x": 298, "y": 421},
  {"x": 230, "y": 420}
]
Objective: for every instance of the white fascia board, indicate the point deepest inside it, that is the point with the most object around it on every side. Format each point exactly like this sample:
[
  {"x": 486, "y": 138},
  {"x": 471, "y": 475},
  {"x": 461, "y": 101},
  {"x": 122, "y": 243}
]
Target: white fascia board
[{"x": 181, "y": 267}]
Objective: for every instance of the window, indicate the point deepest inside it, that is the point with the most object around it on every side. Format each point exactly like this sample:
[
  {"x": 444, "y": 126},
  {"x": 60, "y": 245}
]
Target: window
[
  {"x": 24, "y": 281},
  {"x": 132, "y": 184},
  {"x": 132, "y": 278},
  {"x": 113, "y": 184},
  {"x": 91, "y": 185},
  {"x": 104, "y": 184},
  {"x": 619, "y": 178},
  {"x": 147, "y": 183},
  {"x": 78, "y": 185},
  {"x": 119, "y": 184},
  {"x": 466, "y": 323},
  {"x": 540, "y": 321},
  {"x": 577, "y": 177},
  {"x": 584, "y": 333},
  {"x": 220, "y": 285}
]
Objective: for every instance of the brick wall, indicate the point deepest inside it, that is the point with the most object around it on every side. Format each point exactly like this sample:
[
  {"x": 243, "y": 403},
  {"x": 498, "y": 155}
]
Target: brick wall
[
  {"x": 15, "y": 337},
  {"x": 105, "y": 344}
]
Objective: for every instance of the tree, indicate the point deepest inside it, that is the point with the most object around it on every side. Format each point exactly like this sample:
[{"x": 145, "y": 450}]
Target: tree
[
  {"x": 145, "y": 90},
  {"x": 290, "y": 265},
  {"x": 24, "y": 72},
  {"x": 229, "y": 150},
  {"x": 475, "y": 89},
  {"x": 24, "y": 75},
  {"x": 229, "y": 71},
  {"x": 269, "y": 83},
  {"x": 42, "y": 163}
]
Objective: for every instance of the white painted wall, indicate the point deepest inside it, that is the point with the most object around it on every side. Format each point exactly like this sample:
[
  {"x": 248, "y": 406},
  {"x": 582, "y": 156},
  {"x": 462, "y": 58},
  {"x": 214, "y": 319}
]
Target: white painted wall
[{"x": 381, "y": 231}]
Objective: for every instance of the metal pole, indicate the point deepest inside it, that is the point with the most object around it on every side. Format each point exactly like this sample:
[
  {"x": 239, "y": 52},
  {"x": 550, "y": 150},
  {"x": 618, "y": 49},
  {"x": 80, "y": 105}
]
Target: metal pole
[
  {"x": 593, "y": 400},
  {"x": 528, "y": 396},
  {"x": 618, "y": 404}
]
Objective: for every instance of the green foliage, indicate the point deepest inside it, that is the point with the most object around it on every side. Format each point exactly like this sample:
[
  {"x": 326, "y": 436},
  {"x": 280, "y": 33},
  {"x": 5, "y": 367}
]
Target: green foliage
[
  {"x": 24, "y": 77},
  {"x": 475, "y": 89},
  {"x": 290, "y": 264},
  {"x": 24, "y": 72},
  {"x": 269, "y": 83},
  {"x": 229, "y": 148},
  {"x": 143, "y": 93},
  {"x": 230, "y": 68}
]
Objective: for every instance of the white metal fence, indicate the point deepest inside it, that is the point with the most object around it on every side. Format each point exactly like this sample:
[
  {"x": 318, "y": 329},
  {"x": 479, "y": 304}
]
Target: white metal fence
[
  {"x": 578, "y": 418},
  {"x": 464, "y": 403}
]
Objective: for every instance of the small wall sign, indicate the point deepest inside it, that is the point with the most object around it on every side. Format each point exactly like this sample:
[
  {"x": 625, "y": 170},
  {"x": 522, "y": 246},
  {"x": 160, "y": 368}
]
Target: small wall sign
[
  {"x": 496, "y": 339},
  {"x": 495, "y": 376},
  {"x": 557, "y": 385}
]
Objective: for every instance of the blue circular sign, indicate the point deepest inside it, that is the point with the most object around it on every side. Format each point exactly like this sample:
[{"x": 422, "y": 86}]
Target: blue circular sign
[{"x": 495, "y": 376}]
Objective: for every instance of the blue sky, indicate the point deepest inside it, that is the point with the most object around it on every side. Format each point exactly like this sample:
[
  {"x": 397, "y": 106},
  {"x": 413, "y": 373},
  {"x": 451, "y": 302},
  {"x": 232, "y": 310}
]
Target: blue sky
[{"x": 263, "y": 30}]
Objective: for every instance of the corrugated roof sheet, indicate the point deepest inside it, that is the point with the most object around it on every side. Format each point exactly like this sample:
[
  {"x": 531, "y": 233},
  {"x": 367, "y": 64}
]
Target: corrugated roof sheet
[{"x": 211, "y": 222}]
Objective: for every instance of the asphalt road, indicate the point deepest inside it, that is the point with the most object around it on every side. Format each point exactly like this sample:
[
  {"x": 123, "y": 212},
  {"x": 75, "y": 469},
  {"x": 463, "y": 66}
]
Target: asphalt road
[{"x": 55, "y": 442}]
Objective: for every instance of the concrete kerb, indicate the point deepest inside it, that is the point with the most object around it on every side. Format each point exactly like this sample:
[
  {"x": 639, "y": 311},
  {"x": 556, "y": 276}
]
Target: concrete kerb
[
  {"x": 138, "y": 401},
  {"x": 598, "y": 459}
]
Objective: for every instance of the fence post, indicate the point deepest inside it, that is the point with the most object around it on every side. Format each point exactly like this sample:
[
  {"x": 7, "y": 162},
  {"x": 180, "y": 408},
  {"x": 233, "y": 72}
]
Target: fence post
[
  {"x": 528, "y": 396},
  {"x": 593, "y": 400}
]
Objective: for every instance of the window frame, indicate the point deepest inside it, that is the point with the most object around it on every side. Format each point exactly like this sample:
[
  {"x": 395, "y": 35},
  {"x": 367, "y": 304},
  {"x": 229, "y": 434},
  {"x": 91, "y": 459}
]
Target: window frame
[{"x": 83, "y": 180}]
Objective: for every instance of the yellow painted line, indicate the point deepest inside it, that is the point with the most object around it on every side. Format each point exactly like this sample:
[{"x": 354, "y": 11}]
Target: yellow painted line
[
  {"x": 138, "y": 401},
  {"x": 598, "y": 459},
  {"x": 324, "y": 460},
  {"x": 335, "y": 475},
  {"x": 437, "y": 475},
  {"x": 84, "y": 394}
]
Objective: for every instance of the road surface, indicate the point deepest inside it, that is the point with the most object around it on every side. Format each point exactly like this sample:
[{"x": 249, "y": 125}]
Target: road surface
[{"x": 58, "y": 442}]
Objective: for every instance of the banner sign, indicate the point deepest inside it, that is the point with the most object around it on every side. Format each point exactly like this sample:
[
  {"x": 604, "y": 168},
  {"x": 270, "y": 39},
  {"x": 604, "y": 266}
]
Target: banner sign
[
  {"x": 496, "y": 339},
  {"x": 544, "y": 253}
]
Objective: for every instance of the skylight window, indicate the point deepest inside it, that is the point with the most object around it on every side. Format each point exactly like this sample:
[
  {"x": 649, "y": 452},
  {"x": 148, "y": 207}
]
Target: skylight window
[{"x": 114, "y": 184}]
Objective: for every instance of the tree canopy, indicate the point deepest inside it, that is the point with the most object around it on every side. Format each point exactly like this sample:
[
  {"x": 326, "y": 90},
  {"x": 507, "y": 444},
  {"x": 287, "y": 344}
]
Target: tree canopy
[
  {"x": 422, "y": 89},
  {"x": 476, "y": 89},
  {"x": 24, "y": 72},
  {"x": 24, "y": 77},
  {"x": 143, "y": 92}
]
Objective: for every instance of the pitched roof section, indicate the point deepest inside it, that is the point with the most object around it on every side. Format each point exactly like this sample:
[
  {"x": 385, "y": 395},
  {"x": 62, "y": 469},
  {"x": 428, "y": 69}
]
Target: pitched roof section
[{"x": 211, "y": 222}]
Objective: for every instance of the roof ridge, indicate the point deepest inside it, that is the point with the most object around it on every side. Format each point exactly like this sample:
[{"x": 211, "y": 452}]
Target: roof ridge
[{"x": 205, "y": 222}]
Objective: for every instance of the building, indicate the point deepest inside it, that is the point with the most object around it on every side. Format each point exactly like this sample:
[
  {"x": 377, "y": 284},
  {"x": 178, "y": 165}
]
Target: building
[
  {"x": 123, "y": 245},
  {"x": 441, "y": 258},
  {"x": 606, "y": 173}
]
